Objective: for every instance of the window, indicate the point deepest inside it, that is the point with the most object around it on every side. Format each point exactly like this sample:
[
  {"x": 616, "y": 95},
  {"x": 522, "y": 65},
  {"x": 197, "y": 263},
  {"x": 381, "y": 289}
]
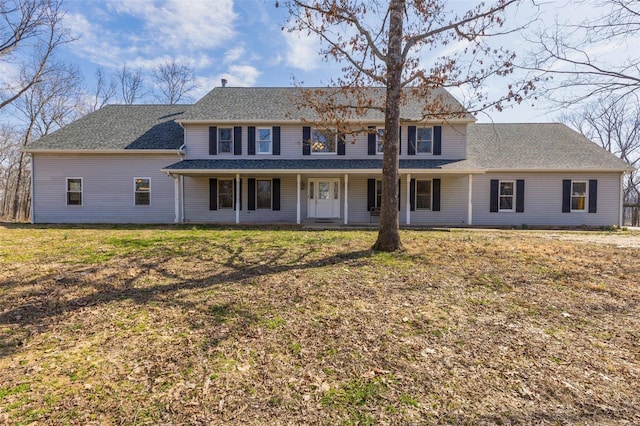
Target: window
[
  {"x": 323, "y": 141},
  {"x": 506, "y": 195},
  {"x": 263, "y": 194},
  {"x": 378, "y": 194},
  {"x": 424, "y": 139},
  {"x": 74, "y": 191},
  {"x": 423, "y": 194},
  {"x": 264, "y": 141},
  {"x": 142, "y": 191},
  {"x": 225, "y": 139},
  {"x": 379, "y": 140},
  {"x": 225, "y": 193},
  {"x": 578, "y": 196}
]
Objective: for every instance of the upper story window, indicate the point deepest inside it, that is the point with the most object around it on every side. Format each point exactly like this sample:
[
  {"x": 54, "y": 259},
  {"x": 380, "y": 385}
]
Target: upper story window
[
  {"x": 142, "y": 191},
  {"x": 323, "y": 141},
  {"x": 379, "y": 140},
  {"x": 424, "y": 140},
  {"x": 578, "y": 196},
  {"x": 74, "y": 191},
  {"x": 264, "y": 140},
  {"x": 225, "y": 140},
  {"x": 506, "y": 195}
]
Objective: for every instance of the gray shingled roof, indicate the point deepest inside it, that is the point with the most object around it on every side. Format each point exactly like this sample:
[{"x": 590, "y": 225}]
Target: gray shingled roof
[
  {"x": 278, "y": 104},
  {"x": 120, "y": 127},
  {"x": 314, "y": 164},
  {"x": 551, "y": 146}
]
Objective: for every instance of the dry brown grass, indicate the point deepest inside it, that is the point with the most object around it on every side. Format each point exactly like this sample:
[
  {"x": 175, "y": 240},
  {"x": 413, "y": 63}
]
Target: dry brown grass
[{"x": 229, "y": 326}]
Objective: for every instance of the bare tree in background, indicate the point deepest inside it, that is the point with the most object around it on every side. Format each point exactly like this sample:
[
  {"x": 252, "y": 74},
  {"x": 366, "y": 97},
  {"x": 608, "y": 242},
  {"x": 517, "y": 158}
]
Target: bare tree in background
[
  {"x": 572, "y": 54},
  {"x": 614, "y": 124},
  {"x": 105, "y": 91},
  {"x": 380, "y": 44},
  {"x": 130, "y": 82},
  {"x": 30, "y": 32},
  {"x": 173, "y": 82}
]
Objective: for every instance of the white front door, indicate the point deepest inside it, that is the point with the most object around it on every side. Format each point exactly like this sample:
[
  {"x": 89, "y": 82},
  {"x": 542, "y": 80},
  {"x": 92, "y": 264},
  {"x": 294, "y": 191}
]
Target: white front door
[{"x": 324, "y": 198}]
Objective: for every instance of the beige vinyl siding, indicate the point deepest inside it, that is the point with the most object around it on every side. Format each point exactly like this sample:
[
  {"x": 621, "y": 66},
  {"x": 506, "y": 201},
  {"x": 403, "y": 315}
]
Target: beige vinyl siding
[
  {"x": 197, "y": 144},
  {"x": 107, "y": 188},
  {"x": 543, "y": 200}
]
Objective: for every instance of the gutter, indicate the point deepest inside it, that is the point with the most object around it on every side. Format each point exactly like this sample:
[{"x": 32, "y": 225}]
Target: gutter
[
  {"x": 310, "y": 122},
  {"x": 101, "y": 151},
  {"x": 204, "y": 172}
]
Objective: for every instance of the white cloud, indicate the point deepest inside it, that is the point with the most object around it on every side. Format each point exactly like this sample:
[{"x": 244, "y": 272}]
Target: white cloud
[
  {"x": 234, "y": 54},
  {"x": 303, "y": 50},
  {"x": 241, "y": 75}
]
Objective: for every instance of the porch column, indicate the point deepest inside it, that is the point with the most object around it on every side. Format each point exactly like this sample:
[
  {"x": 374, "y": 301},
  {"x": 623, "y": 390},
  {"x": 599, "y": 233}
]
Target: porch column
[
  {"x": 346, "y": 199},
  {"x": 181, "y": 198},
  {"x": 408, "y": 198},
  {"x": 238, "y": 198},
  {"x": 470, "y": 205},
  {"x": 176, "y": 198},
  {"x": 298, "y": 199}
]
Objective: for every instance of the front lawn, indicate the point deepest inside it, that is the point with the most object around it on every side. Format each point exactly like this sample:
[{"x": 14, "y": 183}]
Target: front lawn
[{"x": 193, "y": 325}]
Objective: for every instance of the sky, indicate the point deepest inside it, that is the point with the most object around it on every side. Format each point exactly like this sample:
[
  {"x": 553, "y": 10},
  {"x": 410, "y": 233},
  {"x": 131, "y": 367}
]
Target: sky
[{"x": 241, "y": 41}]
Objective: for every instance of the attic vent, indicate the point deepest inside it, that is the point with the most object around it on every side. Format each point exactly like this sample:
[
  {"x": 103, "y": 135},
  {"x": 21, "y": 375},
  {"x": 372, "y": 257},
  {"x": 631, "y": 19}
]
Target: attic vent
[{"x": 224, "y": 82}]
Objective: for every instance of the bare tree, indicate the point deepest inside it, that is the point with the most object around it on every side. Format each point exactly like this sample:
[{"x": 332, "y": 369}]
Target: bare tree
[
  {"x": 572, "y": 54},
  {"x": 30, "y": 32},
  {"x": 381, "y": 44},
  {"x": 130, "y": 84},
  {"x": 173, "y": 82},
  {"x": 614, "y": 124},
  {"x": 105, "y": 91}
]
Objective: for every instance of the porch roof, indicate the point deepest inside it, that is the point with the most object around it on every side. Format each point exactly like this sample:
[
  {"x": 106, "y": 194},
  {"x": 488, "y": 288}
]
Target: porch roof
[{"x": 317, "y": 165}]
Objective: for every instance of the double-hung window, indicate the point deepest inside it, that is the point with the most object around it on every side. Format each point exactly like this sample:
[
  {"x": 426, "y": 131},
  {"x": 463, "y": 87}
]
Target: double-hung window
[
  {"x": 225, "y": 140},
  {"x": 378, "y": 194},
  {"x": 379, "y": 140},
  {"x": 264, "y": 140},
  {"x": 506, "y": 195},
  {"x": 423, "y": 194},
  {"x": 578, "y": 196},
  {"x": 323, "y": 141},
  {"x": 142, "y": 191},
  {"x": 225, "y": 193},
  {"x": 74, "y": 191},
  {"x": 263, "y": 194},
  {"x": 424, "y": 140}
]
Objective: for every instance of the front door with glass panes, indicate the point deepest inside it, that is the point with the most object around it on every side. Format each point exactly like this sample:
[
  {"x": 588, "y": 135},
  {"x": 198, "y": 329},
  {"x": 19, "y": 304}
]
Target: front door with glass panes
[{"x": 324, "y": 198}]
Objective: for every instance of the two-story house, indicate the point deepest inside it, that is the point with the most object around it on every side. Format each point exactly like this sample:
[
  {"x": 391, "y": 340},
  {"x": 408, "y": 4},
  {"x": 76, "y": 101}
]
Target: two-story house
[{"x": 250, "y": 155}]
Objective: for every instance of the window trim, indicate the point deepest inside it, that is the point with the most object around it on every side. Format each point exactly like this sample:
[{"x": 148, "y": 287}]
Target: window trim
[
  {"x": 513, "y": 196},
  {"x": 135, "y": 191},
  {"x": 430, "y": 195},
  {"x": 270, "y": 129},
  {"x": 231, "y": 132},
  {"x": 66, "y": 191},
  {"x": 335, "y": 144},
  {"x": 379, "y": 146},
  {"x": 418, "y": 140},
  {"x": 233, "y": 193},
  {"x": 270, "y": 194},
  {"x": 586, "y": 197}
]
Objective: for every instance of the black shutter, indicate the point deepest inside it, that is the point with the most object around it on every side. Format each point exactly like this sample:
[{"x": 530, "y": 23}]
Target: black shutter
[
  {"x": 275, "y": 194},
  {"x": 412, "y": 195},
  {"x": 437, "y": 140},
  {"x": 251, "y": 196},
  {"x": 240, "y": 194},
  {"x": 371, "y": 141},
  {"x": 213, "y": 194},
  {"x": 276, "y": 140},
  {"x": 435, "y": 189},
  {"x": 593, "y": 196},
  {"x": 566, "y": 195},
  {"x": 237, "y": 140},
  {"x": 399, "y": 192},
  {"x": 399, "y": 140},
  {"x": 411, "y": 140},
  {"x": 493, "y": 196},
  {"x": 520, "y": 196},
  {"x": 251, "y": 140},
  {"x": 213, "y": 140},
  {"x": 306, "y": 140},
  {"x": 341, "y": 144},
  {"x": 371, "y": 194}
]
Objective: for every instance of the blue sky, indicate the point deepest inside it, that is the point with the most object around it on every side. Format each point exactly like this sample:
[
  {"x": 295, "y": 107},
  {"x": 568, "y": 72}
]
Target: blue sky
[{"x": 239, "y": 40}]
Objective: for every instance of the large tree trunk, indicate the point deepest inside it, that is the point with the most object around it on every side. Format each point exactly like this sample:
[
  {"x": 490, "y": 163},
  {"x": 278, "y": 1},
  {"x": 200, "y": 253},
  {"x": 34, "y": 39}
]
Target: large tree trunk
[{"x": 389, "y": 235}]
